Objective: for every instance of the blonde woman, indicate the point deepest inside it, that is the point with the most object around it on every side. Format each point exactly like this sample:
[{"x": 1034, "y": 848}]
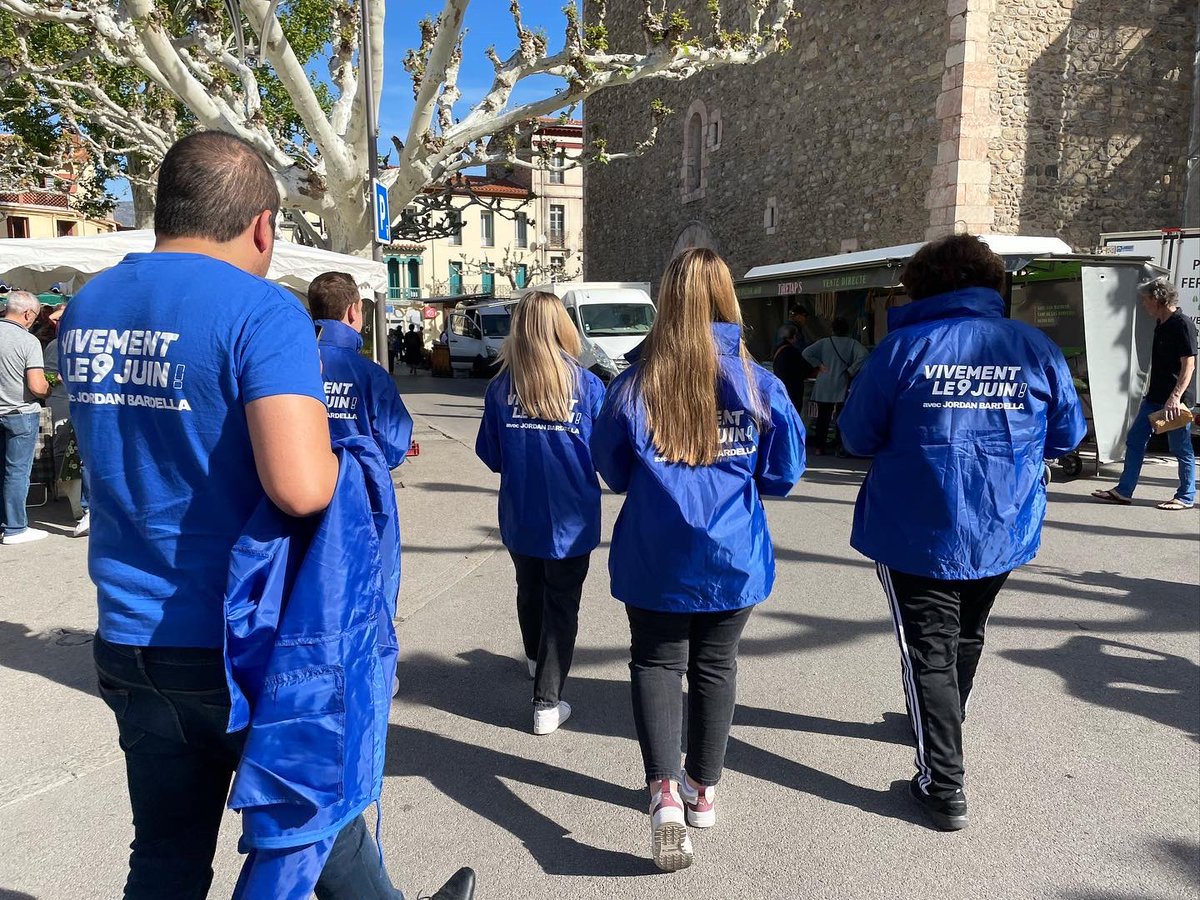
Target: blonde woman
[
  {"x": 537, "y": 422},
  {"x": 694, "y": 432}
]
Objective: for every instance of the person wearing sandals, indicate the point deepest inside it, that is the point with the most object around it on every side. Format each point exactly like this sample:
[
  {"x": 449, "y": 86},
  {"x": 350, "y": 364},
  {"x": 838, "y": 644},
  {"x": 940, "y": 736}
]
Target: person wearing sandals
[
  {"x": 960, "y": 408},
  {"x": 1169, "y": 389},
  {"x": 694, "y": 433},
  {"x": 535, "y": 433}
]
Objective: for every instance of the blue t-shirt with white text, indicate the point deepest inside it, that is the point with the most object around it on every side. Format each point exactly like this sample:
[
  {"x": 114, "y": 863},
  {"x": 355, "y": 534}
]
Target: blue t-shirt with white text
[{"x": 160, "y": 356}]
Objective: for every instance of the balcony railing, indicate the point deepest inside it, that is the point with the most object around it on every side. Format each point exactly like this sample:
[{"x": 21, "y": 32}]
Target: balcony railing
[
  {"x": 558, "y": 237},
  {"x": 403, "y": 293}
]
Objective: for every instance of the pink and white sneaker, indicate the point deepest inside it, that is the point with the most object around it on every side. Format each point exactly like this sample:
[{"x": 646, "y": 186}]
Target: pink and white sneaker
[
  {"x": 701, "y": 805},
  {"x": 669, "y": 842}
]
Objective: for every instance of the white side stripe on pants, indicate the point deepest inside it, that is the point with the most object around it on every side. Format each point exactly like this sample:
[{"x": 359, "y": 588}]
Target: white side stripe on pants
[{"x": 924, "y": 775}]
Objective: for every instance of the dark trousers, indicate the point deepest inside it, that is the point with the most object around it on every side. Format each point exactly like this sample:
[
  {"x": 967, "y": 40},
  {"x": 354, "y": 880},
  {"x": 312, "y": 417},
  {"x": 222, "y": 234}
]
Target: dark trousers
[
  {"x": 172, "y": 707},
  {"x": 663, "y": 648},
  {"x": 939, "y": 626},
  {"x": 825, "y": 414},
  {"x": 548, "y": 595}
]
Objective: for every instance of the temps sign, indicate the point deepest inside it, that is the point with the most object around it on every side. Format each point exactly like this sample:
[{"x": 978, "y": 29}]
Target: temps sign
[{"x": 383, "y": 221}]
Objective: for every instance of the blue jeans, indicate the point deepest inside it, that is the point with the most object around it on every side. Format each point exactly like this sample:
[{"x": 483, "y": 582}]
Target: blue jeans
[
  {"x": 1180, "y": 442},
  {"x": 18, "y": 443},
  {"x": 172, "y": 707}
]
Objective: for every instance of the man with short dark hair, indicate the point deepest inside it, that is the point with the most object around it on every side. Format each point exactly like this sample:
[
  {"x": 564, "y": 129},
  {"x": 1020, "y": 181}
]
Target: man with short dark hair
[
  {"x": 196, "y": 393},
  {"x": 960, "y": 407},
  {"x": 22, "y": 384},
  {"x": 798, "y": 319},
  {"x": 1169, "y": 390},
  {"x": 361, "y": 397}
]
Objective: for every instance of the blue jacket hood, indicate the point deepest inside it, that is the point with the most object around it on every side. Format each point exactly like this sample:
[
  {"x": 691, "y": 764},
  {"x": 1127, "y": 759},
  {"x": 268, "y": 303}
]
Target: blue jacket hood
[
  {"x": 960, "y": 408},
  {"x": 695, "y": 539},
  {"x": 310, "y": 654},
  {"x": 338, "y": 334},
  {"x": 966, "y": 303},
  {"x": 549, "y": 502}
]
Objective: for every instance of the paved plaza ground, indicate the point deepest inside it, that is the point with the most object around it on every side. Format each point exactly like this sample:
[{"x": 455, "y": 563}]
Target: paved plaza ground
[{"x": 1082, "y": 749}]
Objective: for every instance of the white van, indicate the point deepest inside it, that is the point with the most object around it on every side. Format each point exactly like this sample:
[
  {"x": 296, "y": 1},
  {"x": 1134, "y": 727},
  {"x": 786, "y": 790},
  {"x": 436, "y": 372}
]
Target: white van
[
  {"x": 612, "y": 318},
  {"x": 475, "y": 334}
]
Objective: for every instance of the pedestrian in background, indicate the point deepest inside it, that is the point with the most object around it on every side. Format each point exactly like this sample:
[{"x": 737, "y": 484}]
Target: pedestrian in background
[
  {"x": 694, "y": 433},
  {"x": 64, "y": 433},
  {"x": 360, "y": 396},
  {"x": 961, "y": 407},
  {"x": 790, "y": 366},
  {"x": 414, "y": 348},
  {"x": 798, "y": 320},
  {"x": 837, "y": 360},
  {"x": 22, "y": 384},
  {"x": 537, "y": 424},
  {"x": 1169, "y": 390}
]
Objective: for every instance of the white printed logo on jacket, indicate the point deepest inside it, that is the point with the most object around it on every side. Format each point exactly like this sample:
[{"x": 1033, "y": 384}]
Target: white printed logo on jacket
[{"x": 975, "y": 387}]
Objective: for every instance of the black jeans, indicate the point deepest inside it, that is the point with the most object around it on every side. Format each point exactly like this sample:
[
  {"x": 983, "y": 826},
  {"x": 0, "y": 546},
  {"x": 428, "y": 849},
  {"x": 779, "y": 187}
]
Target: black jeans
[
  {"x": 663, "y": 647},
  {"x": 172, "y": 707},
  {"x": 825, "y": 414},
  {"x": 548, "y": 595},
  {"x": 939, "y": 626}
]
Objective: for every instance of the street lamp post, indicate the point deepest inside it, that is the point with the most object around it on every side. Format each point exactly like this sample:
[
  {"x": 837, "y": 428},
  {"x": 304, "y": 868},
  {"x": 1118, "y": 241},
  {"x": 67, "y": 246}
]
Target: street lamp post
[{"x": 366, "y": 63}]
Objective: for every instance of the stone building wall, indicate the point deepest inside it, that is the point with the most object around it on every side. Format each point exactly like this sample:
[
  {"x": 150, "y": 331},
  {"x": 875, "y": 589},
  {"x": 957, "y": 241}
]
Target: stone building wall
[
  {"x": 836, "y": 137},
  {"x": 1092, "y": 107},
  {"x": 890, "y": 122}
]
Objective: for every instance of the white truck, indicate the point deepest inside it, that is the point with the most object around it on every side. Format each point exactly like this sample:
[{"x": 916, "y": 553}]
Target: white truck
[
  {"x": 1175, "y": 249},
  {"x": 612, "y": 319}
]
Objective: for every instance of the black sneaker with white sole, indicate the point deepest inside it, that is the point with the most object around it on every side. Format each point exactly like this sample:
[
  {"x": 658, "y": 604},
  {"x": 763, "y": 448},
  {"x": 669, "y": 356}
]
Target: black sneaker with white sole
[{"x": 947, "y": 814}]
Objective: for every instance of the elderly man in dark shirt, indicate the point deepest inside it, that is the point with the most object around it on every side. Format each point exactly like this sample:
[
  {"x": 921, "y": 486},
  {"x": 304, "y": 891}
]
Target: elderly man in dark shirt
[{"x": 1172, "y": 365}]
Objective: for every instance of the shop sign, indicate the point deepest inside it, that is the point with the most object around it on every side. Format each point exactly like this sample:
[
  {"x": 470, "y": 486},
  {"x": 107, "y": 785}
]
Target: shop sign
[
  {"x": 429, "y": 312},
  {"x": 790, "y": 287}
]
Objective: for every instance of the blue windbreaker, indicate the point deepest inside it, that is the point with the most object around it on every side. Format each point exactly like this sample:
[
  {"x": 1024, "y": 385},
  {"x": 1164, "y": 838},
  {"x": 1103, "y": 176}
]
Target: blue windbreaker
[
  {"x": 310, "y": 654},
  {"x": 960, "y": 407},
  {"x": 695, "y": 539},
  {"x": 549, "y": 493},
  {"x": 360, "y": 395}
]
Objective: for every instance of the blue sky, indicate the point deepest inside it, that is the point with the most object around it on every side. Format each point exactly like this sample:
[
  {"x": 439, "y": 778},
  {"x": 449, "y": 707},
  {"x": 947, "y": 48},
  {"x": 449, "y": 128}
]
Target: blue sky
[{"x": 488, "y": 22}]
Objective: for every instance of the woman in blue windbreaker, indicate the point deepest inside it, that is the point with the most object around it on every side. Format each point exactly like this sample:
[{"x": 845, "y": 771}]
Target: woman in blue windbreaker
[
  {"x": 537, "y": 422},
  {"x": 960, "y": 407},
  {"x": 694, "y": 432}
]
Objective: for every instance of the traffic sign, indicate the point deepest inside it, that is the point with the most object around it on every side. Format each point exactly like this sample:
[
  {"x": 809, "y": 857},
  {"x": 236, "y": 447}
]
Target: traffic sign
[{"x": 383, "y": 221}]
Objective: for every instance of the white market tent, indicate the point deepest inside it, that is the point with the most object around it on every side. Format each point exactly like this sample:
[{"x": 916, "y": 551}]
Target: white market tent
[{"x": 34, "y": 264}]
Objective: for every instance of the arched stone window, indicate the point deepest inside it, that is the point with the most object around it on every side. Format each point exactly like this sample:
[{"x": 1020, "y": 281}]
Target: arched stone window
[{"x": 695, "y": 152}]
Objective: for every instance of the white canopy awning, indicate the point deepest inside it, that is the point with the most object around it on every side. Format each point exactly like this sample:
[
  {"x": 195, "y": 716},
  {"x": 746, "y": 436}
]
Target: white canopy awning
[{"x": 34, "y": 264}]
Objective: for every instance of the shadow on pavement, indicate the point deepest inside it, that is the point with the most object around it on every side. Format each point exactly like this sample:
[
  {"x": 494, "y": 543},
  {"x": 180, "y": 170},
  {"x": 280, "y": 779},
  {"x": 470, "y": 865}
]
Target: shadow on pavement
[
  {"x": 893, "y": 729},
  {"x": 1180, "y": 855},
  {"x": 15, "y": 895},
  {"x": 1158, "y": 686},
  {"x": 446, "y": 487},
  {"x": 472, "y": 776},
  {"x": 63, "y": 655}
]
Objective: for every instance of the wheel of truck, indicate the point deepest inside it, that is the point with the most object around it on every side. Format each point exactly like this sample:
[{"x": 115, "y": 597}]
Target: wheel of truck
[{"x": 1072, "y": 465}]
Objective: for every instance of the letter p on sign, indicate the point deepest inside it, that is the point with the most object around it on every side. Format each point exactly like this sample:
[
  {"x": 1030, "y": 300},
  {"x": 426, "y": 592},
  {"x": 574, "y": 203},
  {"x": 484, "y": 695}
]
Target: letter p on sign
[{"x": 383, "y": 221}]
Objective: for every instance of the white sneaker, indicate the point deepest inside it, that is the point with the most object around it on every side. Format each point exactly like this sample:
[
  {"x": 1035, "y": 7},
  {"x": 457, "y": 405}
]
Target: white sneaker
[
  {"x": 670, "y": 844},
  {"x": 546, "y": 721},
  {"x": 83, "y": 526},
  {"x": 28, "y": 536},
  {"x": 532, "y": 663},
  {"x": 701, "y": 807}
]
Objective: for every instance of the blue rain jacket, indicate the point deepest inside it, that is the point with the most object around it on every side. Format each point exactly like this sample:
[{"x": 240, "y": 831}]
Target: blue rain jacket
[
  {"x": 549, "y": 493},
  {"x": 960, "y": 407},
  {"x": 310, "y": 654},
  {"x": 360, "y": 395},
  {"x": 695, "y": 539}
]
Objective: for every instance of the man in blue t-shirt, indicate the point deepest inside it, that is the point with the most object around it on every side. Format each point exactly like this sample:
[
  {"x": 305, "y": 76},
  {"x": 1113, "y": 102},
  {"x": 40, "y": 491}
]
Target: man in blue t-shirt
[
  {"x": 361, "y": 397},
  {"x": 196, "y": 391}
]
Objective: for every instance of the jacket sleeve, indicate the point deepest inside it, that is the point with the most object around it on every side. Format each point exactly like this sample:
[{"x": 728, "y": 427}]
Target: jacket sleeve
[
  {"x": 814, "y": 353},
  {"x": 612, "y": 448},
  {"x": 391, "y": 422},
  {"x": 487, "y": 443},
  {"x": 866, "y": 419},
  {"x": 781, "y": 446},
  {"x": 1065, "y": 424}
]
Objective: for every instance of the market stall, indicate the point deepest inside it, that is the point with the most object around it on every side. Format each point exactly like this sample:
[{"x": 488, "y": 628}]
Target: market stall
[{"x": 1087, "y": 304}]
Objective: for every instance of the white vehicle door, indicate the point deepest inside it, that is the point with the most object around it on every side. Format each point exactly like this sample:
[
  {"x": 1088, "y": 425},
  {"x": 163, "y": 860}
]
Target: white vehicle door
[{"x": 465, "y": 339}]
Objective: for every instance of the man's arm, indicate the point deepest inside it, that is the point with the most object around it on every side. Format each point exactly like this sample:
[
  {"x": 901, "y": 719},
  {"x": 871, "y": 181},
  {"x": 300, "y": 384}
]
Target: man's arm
[
  {"x": 1187, "y": 367},
  {"x": 289, "y": 434},
  {"x": 35, "y": 380}
]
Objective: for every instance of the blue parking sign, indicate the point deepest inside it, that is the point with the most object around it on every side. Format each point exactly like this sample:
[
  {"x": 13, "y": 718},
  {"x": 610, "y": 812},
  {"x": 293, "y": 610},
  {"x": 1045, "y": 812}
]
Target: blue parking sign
[{"x": 383, "y": 221}]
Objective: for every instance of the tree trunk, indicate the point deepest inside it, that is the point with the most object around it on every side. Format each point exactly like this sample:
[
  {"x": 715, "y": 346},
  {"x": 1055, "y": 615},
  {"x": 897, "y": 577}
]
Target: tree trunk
[{"x": 143, "y": 191}]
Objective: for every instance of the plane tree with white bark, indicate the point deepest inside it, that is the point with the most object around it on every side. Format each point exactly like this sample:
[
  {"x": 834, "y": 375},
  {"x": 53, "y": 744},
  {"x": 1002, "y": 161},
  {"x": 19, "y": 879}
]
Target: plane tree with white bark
[{"x": 125, "y": 78}]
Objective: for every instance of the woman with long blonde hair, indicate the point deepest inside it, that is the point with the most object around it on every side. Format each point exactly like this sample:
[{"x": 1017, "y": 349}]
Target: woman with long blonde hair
[
  {"x": 537, "y": 423},
  {"x": 694, "y": 433}
]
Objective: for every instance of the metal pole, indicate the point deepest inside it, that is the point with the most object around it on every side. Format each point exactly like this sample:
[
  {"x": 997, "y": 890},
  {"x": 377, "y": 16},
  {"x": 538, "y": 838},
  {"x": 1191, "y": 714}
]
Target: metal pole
[{"x": 366, "y": 64}]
